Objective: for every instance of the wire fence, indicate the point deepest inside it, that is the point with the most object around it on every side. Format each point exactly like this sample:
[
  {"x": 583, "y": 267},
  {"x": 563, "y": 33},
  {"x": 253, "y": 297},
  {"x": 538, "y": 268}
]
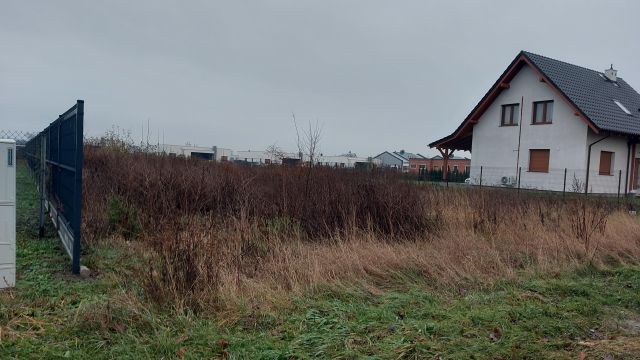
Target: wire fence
[{"x": 565, "y": 180}]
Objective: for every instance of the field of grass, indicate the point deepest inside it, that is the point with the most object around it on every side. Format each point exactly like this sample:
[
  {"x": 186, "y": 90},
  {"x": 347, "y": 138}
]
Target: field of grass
[{"x": 589, "y": 312}]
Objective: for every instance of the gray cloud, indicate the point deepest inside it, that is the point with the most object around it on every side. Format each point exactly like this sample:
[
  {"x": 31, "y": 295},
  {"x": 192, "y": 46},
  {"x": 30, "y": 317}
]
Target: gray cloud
[{"x": 377, "y": 74}]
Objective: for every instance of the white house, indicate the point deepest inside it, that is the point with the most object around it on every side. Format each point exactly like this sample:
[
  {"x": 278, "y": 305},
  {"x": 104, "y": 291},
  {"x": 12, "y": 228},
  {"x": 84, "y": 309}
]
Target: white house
[
  {"x": 397, "y": 159},
  {"x": 258, "y": 157},
  {"x": 203, "y": 152},
  {"x": 346, "y": 161},
  {"x": 222, "y": 154},
  {"x": 544, "y": 121}
]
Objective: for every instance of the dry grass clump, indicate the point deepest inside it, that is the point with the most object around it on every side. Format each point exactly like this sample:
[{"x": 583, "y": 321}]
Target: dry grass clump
[{"x": 218, "y": 233}]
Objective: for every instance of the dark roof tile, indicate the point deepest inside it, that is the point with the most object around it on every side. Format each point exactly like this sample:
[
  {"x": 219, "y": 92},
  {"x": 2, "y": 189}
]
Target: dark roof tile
[{"x": 593, "y": 94}]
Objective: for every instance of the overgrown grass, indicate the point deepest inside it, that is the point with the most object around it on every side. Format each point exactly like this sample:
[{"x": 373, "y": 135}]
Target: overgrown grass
[
  {"x": 51, "y": 314},
  {"x": 217, "y": 234}
]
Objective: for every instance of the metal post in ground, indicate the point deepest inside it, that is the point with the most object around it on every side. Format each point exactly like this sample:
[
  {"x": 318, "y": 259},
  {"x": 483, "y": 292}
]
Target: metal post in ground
[
  {"x": 619, "y": 183},
  {"x": 519, "y": 175},
  {"x": 41, "y": 185},
  {"x": 564, "y": 184},
  {"x": 480, "y": 176}
]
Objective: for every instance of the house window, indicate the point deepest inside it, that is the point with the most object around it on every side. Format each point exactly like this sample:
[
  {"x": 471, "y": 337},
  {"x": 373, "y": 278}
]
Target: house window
[
  {"x": 466, "y": 169},
  {"x": 539, "y": 160},
  {"x": 455, "y": 168},
  {"x": 413, "y": 166},
  {"x": 542, "y": 112},
  {"x": 510, "y": 115},
  {"x": 606, "y": 163}
]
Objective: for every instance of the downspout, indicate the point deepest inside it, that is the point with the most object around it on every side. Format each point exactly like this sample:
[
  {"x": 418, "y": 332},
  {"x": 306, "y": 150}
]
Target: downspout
[
  {"x": 519, "y": 137},
  {"x": 634, "y": 169},
  {"x": 626, "y": 177},
  {"x": 586, "y": 183}
]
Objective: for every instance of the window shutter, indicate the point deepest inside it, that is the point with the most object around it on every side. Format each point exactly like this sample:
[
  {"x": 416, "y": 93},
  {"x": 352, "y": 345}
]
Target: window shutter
[
  {"x": 606, "y": 158},
  {"x": 539, "y": 160}
]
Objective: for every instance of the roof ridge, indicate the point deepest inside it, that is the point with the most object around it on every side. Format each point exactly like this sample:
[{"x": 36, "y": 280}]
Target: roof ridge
[{"x": 564, "y": 62}]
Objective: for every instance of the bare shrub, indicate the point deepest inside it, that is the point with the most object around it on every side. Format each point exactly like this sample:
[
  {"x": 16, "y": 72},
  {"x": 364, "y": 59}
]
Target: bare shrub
[
  {"x": 588, "y": 220},
  {"x": 164, "y": 188},
  {"x": 577, "y": 185}
]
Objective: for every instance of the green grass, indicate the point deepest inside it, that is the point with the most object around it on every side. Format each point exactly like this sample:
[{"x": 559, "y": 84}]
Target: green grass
[{"x": 52, "y": 314}]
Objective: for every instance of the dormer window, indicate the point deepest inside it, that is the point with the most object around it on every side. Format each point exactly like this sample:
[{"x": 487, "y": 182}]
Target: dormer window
[
  {"x": 542, "y": 112},
  {"x": 510, "y": 115}
]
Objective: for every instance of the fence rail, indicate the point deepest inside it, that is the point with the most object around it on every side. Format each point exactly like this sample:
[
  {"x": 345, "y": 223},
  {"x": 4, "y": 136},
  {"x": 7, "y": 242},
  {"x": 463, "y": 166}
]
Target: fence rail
[{"x": 55, "y": 157}]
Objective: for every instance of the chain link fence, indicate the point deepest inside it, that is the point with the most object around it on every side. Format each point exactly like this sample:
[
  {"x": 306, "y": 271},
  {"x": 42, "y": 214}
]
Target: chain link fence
[{"x": 21, "y": 138}]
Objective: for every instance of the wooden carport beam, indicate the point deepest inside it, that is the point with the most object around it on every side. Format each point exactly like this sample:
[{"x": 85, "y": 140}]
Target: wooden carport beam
[{"x": 446, "y": 154}]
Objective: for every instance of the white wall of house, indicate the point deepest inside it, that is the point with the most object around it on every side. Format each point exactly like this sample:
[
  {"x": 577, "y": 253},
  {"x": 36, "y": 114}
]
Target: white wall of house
[
  {"x": 184, "y": 150},
  {"x": 607, "y": 183},
  {"x": 345, "y": 161},
  {"x": 495, "y": 147},
  {"x": 390, "y": 160},
  {"x": 257, "y": 157},
  {"x": 223, "y": 154}
]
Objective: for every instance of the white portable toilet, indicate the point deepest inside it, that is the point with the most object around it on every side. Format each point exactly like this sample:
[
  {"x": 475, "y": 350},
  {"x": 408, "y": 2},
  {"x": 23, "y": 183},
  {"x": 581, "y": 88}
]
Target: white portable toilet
[{"x": 7, "y": 213}]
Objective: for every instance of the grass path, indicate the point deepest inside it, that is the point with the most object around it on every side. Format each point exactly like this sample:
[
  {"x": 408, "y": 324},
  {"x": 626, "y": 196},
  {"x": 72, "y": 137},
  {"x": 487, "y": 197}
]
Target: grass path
[{"x": 51, "y": 314}]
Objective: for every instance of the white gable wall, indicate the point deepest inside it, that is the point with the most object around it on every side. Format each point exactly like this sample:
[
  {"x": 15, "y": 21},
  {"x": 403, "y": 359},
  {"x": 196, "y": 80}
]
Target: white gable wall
[{"x": 495, "y": 147}]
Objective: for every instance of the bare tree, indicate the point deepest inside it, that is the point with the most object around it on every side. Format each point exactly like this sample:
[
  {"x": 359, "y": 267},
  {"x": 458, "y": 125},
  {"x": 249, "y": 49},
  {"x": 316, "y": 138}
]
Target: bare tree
[
  {"x": 308, "y": 141},
  {"x": 116, "y": 138},
  {"x": 276, "y": 152}
]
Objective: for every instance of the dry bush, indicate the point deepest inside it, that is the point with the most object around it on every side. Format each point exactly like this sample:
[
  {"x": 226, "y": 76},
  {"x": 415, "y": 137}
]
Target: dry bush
[
  {"x": 218, "y": 233},
  {"x": 162, "y": 189}
]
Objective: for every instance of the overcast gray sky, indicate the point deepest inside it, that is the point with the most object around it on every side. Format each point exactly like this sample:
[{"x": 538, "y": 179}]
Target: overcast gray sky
[{"x": 378, "y": 75}]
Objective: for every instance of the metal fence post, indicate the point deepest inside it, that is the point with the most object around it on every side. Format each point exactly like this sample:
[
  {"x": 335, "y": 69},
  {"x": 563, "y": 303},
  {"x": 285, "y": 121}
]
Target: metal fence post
[
  {"x": 77, "y": 199},
  {"x": 43, "y": 164},
  {"x": 564, "y": 184},
  {"x": 480, "y": 176},
  {"x": 619, "y": 182},
  {"x": 519, "y": 175}
]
